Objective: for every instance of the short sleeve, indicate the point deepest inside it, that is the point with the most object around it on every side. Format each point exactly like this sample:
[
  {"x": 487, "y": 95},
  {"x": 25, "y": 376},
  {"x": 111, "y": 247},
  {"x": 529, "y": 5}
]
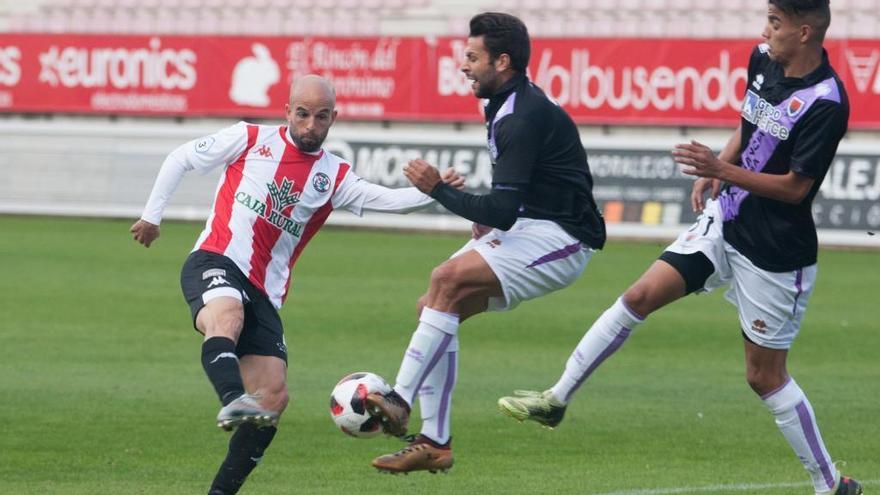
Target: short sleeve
[
  {"x": 518, "y": 143},
  {"x": 817, "y": 138}
]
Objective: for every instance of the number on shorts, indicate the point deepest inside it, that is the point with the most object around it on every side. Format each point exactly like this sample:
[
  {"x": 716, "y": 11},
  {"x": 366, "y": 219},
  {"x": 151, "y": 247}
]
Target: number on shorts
[{"x": 708, "y": 224}]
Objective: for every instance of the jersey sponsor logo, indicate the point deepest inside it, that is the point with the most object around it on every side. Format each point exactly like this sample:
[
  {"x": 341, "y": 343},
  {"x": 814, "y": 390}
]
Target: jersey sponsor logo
[
  {"x": 219, "y": 280},
  {"x": 321, "y": 182},
  {"x": 795, "y": 105},
  {"x": 204, "y": 144},
  {"x": 213, "y": 272},
  {"x": 764, "y": 115},
  {"x": 264, "y": 151},
  {"x": 281, "y": 198}
]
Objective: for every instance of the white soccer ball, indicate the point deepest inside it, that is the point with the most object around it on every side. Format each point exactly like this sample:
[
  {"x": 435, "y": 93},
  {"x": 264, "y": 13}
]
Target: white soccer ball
[{"x": 347, "y": 406}]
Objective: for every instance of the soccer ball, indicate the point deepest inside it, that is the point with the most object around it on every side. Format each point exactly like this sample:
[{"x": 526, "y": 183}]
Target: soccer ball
[{"x": 347, "y": 406}]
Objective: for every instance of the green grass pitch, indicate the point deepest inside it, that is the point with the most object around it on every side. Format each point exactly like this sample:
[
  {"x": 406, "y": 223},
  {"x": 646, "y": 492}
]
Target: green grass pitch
[{"x": 103, "y": 392}]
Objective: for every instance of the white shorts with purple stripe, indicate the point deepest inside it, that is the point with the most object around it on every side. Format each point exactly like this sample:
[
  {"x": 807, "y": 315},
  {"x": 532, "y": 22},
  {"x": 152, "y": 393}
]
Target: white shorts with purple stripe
[
  {"x": 533, "y": 258},
  {"x": 771, "y": 305}
]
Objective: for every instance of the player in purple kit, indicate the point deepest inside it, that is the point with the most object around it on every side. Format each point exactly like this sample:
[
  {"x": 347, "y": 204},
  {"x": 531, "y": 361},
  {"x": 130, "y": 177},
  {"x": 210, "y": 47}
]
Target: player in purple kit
[
  {"x": 534, "y": 233},
  {"x": 757, "y": 235}
]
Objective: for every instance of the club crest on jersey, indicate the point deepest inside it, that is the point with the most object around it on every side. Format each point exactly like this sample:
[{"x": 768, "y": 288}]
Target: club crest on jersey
[
  {"x": 321, "y": 182},
  {"x": 795, "y": 105}
]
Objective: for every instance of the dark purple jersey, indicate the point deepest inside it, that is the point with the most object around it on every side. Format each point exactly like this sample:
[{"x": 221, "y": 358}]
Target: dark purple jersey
[{"x": 788, "y": 124}]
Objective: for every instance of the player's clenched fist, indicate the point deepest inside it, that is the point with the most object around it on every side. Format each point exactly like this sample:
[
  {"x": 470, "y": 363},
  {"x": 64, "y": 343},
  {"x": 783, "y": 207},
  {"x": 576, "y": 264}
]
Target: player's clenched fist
[{"x": 144, "y": 232}]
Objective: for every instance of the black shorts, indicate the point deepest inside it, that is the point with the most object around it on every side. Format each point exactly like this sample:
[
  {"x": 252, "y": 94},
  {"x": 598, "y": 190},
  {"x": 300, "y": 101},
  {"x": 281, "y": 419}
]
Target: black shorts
[{"x": 207, "y": 275}]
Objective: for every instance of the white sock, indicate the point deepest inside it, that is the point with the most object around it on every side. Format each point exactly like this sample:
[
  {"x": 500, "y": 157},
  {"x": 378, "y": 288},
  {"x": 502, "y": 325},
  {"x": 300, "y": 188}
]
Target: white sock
[
  {"x": 435, "y": 395},
  {"x": 428, "y": 344},
  {"x": 795, "y": 418},
  {"x": 601, "y": 341}
]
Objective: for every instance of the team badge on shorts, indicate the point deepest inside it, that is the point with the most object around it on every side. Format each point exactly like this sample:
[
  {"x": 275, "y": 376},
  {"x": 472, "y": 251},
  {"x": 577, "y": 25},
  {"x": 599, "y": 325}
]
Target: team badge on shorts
[
  {"x": 759, "y": 326},
  {"x": 321, "y": 182}
]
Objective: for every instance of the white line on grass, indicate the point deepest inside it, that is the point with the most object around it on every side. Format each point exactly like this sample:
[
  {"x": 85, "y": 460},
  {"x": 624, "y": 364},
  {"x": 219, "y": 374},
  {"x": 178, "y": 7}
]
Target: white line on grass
[{"x": 740, "y": 487}]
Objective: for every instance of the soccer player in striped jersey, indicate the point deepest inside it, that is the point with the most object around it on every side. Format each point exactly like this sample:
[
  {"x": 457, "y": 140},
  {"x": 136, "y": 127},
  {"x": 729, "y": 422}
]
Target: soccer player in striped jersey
[
  {"x": 277, "y": 188},
  {"x": 757, "y": 235}
]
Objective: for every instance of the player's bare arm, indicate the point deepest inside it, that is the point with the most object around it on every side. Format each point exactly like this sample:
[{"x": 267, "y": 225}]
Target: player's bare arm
[
  {"x": 700, "y": 161},
  {"x": 730, "y": 153},
  {"x": 144, "y": 232}
]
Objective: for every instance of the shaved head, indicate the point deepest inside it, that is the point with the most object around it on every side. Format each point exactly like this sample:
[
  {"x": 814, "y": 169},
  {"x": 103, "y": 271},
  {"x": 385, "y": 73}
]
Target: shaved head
[
  {"x": 313, "y": 89},
  {"x": 311, "y": 110}
]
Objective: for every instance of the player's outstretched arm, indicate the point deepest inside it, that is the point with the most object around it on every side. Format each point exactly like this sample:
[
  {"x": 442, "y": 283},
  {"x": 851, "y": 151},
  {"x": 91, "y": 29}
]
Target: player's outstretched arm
[
  {"x": 700, "y": 161},
  {"x": 145, "y": 232},
  {"x": 356, "y": 194}
]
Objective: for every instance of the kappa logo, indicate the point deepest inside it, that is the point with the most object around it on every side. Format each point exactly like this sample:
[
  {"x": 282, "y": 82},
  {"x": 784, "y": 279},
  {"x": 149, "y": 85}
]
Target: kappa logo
[
  {"x": 264, "y": 151},
  {"x": 321, "y": 182},
  {"x": 494, "y": 243},
  {"x": 759, "y": 326},
  {"x": 218, "y": 280}
]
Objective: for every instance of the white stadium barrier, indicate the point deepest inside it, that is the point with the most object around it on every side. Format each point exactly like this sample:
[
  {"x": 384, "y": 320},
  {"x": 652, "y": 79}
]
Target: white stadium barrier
[{"x": 106, "y": 169}]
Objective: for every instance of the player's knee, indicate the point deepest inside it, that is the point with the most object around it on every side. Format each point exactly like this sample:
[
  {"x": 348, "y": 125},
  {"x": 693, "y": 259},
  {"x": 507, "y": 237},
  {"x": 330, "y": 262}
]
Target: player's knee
[
  {"x": 763, "y": 381},
  {"x": 230, "y": 322},
  {"x": 638, "y": 299},
  {"x": 420, "y": 304},
  {"x": 224, "y": 321},
  {"x": 446, "y": 278}
]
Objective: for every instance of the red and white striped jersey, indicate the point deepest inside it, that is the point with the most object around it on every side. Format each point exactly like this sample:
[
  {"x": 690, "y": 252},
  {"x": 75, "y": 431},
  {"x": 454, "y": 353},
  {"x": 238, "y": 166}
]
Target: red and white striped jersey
[{"x": 271, "y": 198}]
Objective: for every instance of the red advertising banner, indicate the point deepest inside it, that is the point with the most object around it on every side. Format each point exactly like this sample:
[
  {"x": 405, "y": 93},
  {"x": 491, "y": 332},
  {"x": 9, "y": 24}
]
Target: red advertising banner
[{"x": 599, "y": 81}]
